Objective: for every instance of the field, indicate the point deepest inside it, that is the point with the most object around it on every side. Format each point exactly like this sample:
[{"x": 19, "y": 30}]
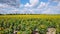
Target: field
[{"x": 26, "y": 24}]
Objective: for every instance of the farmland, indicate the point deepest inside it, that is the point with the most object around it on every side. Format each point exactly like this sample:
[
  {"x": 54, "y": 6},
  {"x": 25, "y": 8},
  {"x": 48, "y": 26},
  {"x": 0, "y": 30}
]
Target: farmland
[{"x": 25, "y": 24}]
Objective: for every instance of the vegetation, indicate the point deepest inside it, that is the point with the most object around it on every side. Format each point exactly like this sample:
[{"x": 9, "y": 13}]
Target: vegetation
[{"x": 25, "y": 24}]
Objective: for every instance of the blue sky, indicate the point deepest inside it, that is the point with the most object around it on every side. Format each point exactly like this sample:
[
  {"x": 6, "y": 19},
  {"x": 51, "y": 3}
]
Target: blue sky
[
  {"x": 24, "y": 1},
  {"x": 30, "y": 6}
]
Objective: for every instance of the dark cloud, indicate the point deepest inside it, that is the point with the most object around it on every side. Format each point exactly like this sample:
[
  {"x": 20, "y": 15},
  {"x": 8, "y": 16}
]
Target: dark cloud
[
  {"x": 55, "y": 0},
  {"x": 14, "y": 3}
]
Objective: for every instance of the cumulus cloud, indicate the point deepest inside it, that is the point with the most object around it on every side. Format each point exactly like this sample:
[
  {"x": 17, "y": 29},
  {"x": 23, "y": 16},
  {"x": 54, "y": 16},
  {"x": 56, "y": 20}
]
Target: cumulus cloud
[
  {"x": 10, "y": 2},
  {"x": 33, "y": 7},
  {"x": 9, "y": 6},
  {"x": 52, "y": 9},
  {"x": 34, "y": 2},
  {"x": 3, "y": 5},
  {"x": 42, "y": 5},
  {"x": 55, "y": 0},
  {"x": 7, "y": 9},
  {"x": 27, "y": 5},
  {"x": 45, "y": 8}
]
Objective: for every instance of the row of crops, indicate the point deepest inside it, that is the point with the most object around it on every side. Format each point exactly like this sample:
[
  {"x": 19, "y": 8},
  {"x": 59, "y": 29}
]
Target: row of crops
[{"x": 28, "y": 25}]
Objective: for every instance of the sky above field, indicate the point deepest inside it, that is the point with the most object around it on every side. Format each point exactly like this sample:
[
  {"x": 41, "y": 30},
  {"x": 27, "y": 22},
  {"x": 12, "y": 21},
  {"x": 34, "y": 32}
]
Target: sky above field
[{"x": 30, "y": 6}]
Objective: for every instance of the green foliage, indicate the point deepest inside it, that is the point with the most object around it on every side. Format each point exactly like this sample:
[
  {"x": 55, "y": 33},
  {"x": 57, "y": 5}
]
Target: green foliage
[{"x": 26, "y": 26}]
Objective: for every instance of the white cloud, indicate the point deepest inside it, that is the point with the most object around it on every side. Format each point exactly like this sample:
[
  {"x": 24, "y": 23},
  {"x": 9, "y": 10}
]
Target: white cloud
[
  {"x": 59, "y": 4},
  {"x": 28, "y": 8},
  {"x": 42, "y": 5},
  {"x": 3, "y": 5},
  {"x": 52, "y": 10},
  {"x": 9, "y": 6},
  {"x": 34, "y": 2},
  {"x": 14, "y": 3},
  {"x": 44, "y": 8},
  {"x": 27, "y": 5},
  {"x": 6, "y": 9},
  {"x": 55, "y": 0}
]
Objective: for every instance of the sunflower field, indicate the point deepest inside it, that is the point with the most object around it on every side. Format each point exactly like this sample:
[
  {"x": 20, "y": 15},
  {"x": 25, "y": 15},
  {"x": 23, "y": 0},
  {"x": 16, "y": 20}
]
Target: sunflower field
[{"x": 26, "y": 24}]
